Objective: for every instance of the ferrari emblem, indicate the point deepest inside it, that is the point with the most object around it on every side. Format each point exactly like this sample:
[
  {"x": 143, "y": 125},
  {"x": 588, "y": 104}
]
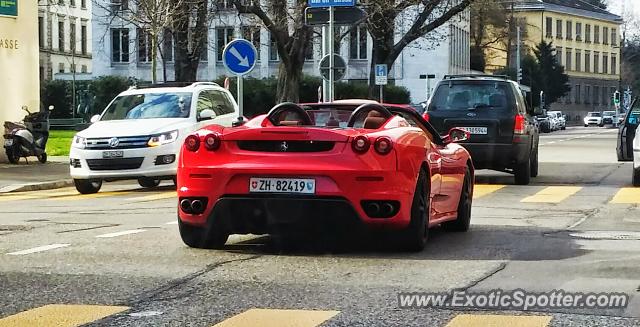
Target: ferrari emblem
[{"x": 284, "y": 146}]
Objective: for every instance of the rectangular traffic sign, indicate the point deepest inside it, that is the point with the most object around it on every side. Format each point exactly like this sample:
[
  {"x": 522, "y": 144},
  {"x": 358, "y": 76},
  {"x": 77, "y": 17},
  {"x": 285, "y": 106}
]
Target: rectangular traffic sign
[
  {"x": 8, "y": 7},
  {"x": 381, "y": 74},
  {"x": 341, "y": 15},
  {"x": 332, "y": 3}
]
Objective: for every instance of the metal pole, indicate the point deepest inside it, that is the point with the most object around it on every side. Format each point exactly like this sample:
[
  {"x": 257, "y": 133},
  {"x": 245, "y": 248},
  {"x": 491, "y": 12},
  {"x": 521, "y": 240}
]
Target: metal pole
[
  {"x": 331, "y": 61},
  {"x": 240, "y": 96},
  {"x": 381, "y": 94},
  {"x": 518, "y": 53},
  {"x": 325, "y": 49},
  {"x": 428, "y": 87}
]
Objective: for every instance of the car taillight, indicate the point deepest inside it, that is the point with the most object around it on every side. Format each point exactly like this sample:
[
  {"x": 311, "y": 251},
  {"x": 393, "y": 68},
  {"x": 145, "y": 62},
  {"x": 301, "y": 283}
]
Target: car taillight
[
  {"x": 360, "y": 144},
  {"x": 519, "y": 127},
  {"x": 212, "y": 142},
  {"x": 425, "y": 116},
  {"x": 192, "y": 143},
  {"x": 383, "y": 145}
]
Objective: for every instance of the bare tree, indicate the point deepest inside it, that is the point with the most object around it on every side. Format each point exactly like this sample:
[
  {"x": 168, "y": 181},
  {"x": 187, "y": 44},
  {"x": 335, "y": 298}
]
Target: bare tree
[
  {"x": 383, "y": 16},
  {"x": 489, "y": 28},
  {"x": 190, "y": 34},
  {"x": 284, "y": 19}
]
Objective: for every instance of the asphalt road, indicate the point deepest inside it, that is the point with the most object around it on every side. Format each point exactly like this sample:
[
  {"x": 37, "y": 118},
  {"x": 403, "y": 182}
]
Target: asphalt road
[{"x": 116, "y": 259}]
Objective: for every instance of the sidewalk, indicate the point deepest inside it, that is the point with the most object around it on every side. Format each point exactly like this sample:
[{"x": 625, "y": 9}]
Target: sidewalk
[{"x": 34, "y": 175}]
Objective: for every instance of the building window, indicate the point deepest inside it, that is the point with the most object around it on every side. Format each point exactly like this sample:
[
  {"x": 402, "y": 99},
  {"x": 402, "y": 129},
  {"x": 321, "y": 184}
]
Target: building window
[
  {"x": 614, "y": 64},
  {"x": 605, "y": 63},
  {"x": 61, "y": 67},
  {"x": 83, "y": 4},
  {"x": 596, "y": 34},
  {"x": 587, "y": 33},
  {"x": 549, "y": 27},
  {"x": 61, "y": 36},
  {"x": 605, "y": 35},
  {"x": 568, "y": 63},
  {"x": 558, "y": 28},
  {"x": 72, "y": 37},
  {"x": 224, "y": 35},
  {"x": 358, "y": 43},
  {"x": 83, "y": 39},
  {"x": 578, "y": 60},
  {"x": 41, "y": 32},
  {"x": 605, "y": 96},
  {"x": 596, "y": 62},
  {"x": 596, "y": 95},
  {"x": 578, "y": 31},
  {"x": 273, "y": 48},
  {"x": 252, "y": 33},
  {"x": 587, "y": 61},
  {"x": 72, "y": 3},
  {"x": 569, "y": 30},
  {"x": 587, "y": 94},
  {"x": 83, "y": 69},
  {"x": 577, "y": 94},
  {"x": 559, "y": 55},
  {"x": 167, "y": 46},
  {"x": 614, "y": 37},
  {"x": 120, "y": 45},
  {"x": 144, "y": 45}
]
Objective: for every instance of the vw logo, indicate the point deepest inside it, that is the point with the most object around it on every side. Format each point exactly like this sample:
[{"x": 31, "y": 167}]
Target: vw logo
[
  {"x": 284, "y": 146},
  {"x": 113, "y": 142},
  {"x": 471, "y": 114}
]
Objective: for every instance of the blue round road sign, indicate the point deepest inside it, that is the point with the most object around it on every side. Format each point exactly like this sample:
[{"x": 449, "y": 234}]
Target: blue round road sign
[{"x": 239, "y": 56}]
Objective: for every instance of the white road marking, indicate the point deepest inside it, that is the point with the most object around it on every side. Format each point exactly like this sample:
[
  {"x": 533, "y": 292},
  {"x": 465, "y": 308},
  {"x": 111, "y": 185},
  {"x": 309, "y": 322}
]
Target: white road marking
[
  {"x": 39, "y": 249},
  {"x": 172, "y": 223},
  {"x": 124, "y": 232}
]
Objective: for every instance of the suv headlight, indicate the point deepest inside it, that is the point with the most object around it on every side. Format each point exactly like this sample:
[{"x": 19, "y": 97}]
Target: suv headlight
[
  {"x": 164, "y": 138},
  {"x": 79, "y": 142}
]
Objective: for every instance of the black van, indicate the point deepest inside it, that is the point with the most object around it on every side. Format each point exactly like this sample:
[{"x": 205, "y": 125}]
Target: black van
[{"x": 504, "y": 133}]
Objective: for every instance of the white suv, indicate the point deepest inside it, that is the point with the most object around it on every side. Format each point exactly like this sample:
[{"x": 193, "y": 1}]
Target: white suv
[
  {"x": 593, "y": 118},
  {"x": 138, "y": 136}
]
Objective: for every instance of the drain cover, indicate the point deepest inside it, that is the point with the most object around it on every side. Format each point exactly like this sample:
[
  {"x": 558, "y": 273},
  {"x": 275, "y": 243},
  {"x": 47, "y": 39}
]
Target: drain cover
[{"x": 607, "y": 235}]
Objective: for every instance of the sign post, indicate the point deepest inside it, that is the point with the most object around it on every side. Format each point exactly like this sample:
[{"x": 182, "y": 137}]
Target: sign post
[
  {"x": 239, "y": 56},
  {"x": 381, "y": 79}
]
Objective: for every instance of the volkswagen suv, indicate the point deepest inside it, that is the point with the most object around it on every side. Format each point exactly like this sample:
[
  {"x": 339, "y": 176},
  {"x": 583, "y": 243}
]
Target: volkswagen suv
[{"x": 140, "y": 133}]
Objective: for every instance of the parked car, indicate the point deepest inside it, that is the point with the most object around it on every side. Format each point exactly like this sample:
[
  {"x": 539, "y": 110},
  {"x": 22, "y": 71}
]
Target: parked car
[
  {"x": 593, "y": 118},
  {"x": 544, "y": 123},
  {"x": 324, "y": 165},
  {"x": 504, "y": 135},
  {"x": 608, "y": 117},
  {"x": 555, "y": 124},
  {"x": 560, "y": 119},
  {"x": 139, "y": 134}
]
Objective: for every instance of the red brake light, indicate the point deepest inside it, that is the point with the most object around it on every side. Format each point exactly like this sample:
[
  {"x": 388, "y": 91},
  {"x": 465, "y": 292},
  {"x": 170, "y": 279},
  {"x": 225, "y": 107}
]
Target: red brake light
[
  {"x": 383, "y": 145},
  {"x": 212, "y": 142},
  {"x": 519, "y": 127},
  {"x": 192, "y": 143},
  {"x": 360, "y": 144},
  {"x": 425, "y": 116}
]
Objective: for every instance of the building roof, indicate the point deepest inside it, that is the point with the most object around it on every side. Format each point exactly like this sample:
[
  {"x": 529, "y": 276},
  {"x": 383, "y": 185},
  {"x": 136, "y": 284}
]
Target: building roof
[
  {"x": 578, "y": 4},
  {"x": 572, "y": 7}
]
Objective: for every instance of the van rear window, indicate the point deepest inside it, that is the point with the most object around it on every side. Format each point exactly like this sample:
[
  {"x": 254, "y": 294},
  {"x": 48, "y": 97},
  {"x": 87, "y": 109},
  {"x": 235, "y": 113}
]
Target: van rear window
[{"x": 469, "y": 96}]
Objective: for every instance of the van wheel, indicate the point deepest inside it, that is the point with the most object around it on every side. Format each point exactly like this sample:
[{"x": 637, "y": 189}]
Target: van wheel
[
  {"x": 87, "y": 186},
  {"x": 522, "y": 173},
  {"x": 462, "y": 222},
  {"x": 534, "y": 163},
  {"x": 148, "y": 182}
]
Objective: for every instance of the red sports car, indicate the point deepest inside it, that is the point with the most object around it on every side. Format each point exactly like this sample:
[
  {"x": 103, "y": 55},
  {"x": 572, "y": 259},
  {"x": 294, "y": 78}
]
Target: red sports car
[{"x": 324, "y": 164}]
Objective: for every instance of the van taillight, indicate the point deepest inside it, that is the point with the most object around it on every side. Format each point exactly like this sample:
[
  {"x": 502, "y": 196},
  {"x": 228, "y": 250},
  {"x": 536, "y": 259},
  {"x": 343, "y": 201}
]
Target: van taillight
[
  {"x": 425, "y": 116},
  {"x": 519, "y": 127}
]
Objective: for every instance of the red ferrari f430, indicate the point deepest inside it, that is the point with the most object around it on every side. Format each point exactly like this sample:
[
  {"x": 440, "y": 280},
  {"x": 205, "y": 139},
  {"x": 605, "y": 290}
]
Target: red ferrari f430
[{"x": 325, "y": 164}]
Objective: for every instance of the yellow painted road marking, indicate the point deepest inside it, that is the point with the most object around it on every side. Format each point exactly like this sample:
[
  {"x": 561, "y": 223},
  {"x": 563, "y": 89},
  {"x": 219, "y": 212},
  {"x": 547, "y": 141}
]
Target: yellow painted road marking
[
  {"x": 553, "y": 194},
  {"x": 60, "y": 315},
  {"x": 499, "y": 321},
  {"x": 627, "y": 195},
  {"x": 480, "y": 190},
  {"x": 89, "y": 196},
  {"x": 154, "y": 197},
  {"x": 278, "y": 318},
  {"x": 16, "y": 197}
]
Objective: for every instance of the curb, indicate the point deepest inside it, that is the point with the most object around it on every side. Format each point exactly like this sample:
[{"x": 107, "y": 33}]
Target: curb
[{"x": 50, "y": 185}]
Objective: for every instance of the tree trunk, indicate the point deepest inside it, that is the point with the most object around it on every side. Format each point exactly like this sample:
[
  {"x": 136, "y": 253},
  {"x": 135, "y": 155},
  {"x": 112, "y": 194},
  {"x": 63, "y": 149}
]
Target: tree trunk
[
  {"x": 154, "y": 57},
  {"x": 288, "y": 89}
]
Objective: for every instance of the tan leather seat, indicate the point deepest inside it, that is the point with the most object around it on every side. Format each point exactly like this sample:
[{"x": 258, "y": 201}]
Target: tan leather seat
[
  {"x": 374, "y": 120},
  {"x": 290, "y": 123}
]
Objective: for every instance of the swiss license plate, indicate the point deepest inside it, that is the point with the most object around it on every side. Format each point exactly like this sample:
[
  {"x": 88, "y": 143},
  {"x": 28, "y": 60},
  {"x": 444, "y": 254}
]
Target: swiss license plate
[
  {"x": 282, "y": 185},
  {"x": 112, "y": 154},
  {"x": 475, "y": 130},
  {"x": 8, "y": 142}
]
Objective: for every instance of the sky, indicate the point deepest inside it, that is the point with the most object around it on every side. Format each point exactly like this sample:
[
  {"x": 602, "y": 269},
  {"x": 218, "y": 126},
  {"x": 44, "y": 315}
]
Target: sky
[{"x": 631, "y": 12}]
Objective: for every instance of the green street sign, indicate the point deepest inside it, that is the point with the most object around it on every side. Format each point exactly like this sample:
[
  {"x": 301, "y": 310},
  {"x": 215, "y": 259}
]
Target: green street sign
[{"x": 8, "y": 7}]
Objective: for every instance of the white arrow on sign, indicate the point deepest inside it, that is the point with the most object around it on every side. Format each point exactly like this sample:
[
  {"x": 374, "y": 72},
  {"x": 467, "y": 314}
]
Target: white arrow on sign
[{"x": 244, "y": 61}]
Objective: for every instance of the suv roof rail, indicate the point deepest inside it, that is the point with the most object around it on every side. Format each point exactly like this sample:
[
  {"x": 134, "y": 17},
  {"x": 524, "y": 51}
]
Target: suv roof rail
[
  {"x": 205, "y": 83},
  {"x": 176, "y": 84},
  {"x": 476, "y": 76}
]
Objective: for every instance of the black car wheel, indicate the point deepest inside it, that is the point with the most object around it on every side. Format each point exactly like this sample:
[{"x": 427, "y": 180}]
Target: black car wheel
[
  {"x": 636, "y": 177},
  {"x": 534, "y": 163},
  {"x": 87, "y": 186},
  {"x": 414, "y": 237},
  {"x": 463, "y": 221},
  {"x": 522, "y": 173},
  {"x": 202, "y": 237},
  {"x": 148, "y": 182}
]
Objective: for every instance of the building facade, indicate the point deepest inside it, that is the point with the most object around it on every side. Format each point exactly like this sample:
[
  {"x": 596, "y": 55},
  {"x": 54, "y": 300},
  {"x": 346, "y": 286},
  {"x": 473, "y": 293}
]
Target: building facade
[
  {"x": 587, "y": 43},
  {"x": 65, "y": 36},
  {"x": 123, "y": 49}
]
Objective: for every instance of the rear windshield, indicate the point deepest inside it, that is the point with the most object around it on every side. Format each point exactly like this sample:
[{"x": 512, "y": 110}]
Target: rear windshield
[
  {"x": 468, "y": 96},
  {"x": 609, "y": 113},
  {"x": 595, "y": 114}
]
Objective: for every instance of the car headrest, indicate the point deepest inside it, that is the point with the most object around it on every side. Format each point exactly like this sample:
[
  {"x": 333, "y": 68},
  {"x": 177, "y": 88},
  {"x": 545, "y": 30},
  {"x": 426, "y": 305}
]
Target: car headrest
[
  {"x": 290, "y": 123},
  {"x": 374, "y": 122}
]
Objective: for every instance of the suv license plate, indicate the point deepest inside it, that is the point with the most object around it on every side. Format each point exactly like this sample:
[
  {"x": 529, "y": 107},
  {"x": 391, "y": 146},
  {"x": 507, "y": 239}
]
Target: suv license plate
[
  {"x": 112, "y": 154},
  {"x": 475, "y": 130},
  {"x": 8, "y": 142},
  {"x": 282, "y": 185}
]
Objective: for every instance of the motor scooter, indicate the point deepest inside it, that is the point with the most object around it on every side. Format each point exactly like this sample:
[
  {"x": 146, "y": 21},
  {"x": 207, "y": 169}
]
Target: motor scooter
[{"x": 27, "y": 138}]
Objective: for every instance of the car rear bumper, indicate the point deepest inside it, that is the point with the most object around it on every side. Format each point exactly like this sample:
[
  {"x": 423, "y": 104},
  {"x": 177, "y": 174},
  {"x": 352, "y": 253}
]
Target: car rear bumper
[{"x": 498, "y": 156}]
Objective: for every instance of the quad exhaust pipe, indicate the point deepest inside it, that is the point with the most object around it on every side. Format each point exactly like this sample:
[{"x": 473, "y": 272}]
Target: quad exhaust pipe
[{"x": 194, "y": 206}]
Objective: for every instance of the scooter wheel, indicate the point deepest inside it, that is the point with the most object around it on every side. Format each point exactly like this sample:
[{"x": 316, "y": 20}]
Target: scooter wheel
[
  {"x": 42, "y": 157},
  {"x": 12, "y": 156}
]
